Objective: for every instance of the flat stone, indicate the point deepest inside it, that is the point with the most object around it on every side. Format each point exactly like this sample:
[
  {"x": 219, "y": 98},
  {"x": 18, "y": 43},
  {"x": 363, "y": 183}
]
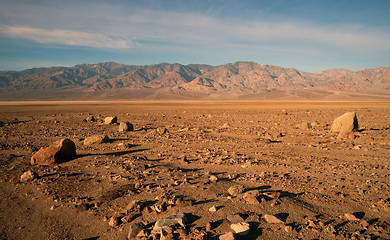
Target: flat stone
[
  {"x": 170, "y": 221},
  {"x": 227, "y": 236},
  {"x": 235, "y": 218},
  {"x": 351, "y": 217},
  {"x": 273, "y": 219},
  {"x": 60, "y": 151},
  {"x": 96, "y": 139},
  {"x": 241, "y": 228}
]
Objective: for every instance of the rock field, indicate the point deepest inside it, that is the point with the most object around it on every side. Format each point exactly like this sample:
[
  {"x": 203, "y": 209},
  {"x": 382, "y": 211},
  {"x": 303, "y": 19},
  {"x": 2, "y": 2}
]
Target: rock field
[{"x": 195, "y": 170}]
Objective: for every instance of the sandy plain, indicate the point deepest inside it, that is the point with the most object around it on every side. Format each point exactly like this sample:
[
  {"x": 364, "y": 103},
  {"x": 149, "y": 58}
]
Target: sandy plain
[{"x": 308, "y": 178}]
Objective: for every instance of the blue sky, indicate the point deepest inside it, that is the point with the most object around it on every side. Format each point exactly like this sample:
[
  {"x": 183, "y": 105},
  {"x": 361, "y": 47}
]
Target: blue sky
[{"x": 309, "y": 35}]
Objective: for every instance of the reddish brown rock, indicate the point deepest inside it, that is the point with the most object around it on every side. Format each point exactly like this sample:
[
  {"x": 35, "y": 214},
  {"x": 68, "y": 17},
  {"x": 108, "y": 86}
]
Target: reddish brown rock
[{"x": 60, "y": 151}]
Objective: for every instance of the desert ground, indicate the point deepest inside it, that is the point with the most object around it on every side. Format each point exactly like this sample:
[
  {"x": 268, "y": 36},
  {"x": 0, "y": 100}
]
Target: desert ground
[{"x": 219, "y": 163}]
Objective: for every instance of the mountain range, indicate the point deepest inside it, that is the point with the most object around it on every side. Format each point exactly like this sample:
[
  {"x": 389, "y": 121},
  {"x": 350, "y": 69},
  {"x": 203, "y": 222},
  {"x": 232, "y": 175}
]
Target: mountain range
[{"x": 240, "y": 80}]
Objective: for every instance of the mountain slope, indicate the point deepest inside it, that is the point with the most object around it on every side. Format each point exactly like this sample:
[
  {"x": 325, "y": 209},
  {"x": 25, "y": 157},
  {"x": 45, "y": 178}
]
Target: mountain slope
[{"x": 234, "y": 80}]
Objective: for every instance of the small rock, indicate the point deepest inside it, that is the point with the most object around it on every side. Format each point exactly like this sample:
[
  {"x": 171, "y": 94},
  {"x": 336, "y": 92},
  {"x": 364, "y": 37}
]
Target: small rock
[
  {"x": 288, "y": 228},
  {"x": 345, "y": 123},
  {"x": 114, "y": 221},
  {"x": 251, "y": 197},
  {"x": 124, "y": 146},
  {"x": 60, "y": 151},
  {"x": 213, "y": 179},
  {"x": 273, "y": 219},
  {"x": 208, "y": 227},
  {"x": 304, "y": 126},
  {"x": 90, "y": 119},
  {"x": 132, "y": 205},
  {"x": 162, "y": 130},
  {"x": 364, "y": 223},
  {"x": 134, "y": 230},
  {"x": 96, "y": 139},
  {"x": 241, "y": 228},
  {"x": 351, "y": 217},
  {"x": 28, "y": 176},
  {"x": 236, "y": 190},
  {"x": 283, "y": 112},
  {"x": 274, "y": 195},
  {"x": 183, "y": 159},
  {"x": 352, "y": 136},
  {"x": 126, "y": 127},
  {"x": 227, "y": 236},
  {"x": 110, "y": 120},
  {"x": 213, "y": 209}
]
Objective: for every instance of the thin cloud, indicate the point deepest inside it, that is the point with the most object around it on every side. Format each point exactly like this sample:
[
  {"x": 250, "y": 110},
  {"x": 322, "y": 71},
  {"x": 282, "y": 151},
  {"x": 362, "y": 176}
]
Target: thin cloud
[
  {"x": 64, "y": 37},
  {"x": 192, "y": 28}
]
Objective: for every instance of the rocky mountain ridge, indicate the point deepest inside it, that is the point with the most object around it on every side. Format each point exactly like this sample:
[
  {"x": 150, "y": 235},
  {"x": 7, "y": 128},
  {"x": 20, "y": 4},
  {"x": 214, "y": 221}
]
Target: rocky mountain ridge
[{"x": 238, "y": 80}]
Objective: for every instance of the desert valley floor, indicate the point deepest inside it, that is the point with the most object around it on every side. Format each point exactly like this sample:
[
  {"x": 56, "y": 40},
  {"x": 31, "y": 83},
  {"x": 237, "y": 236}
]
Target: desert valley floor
[{"x": 255, "y": 164}]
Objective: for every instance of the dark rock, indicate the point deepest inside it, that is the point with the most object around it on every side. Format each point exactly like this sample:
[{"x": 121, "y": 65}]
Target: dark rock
[{"x": 60, "y": 151}]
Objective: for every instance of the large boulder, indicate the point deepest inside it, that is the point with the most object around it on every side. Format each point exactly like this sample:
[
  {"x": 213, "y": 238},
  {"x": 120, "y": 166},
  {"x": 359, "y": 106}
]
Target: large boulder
[
  {"x": 345, "y": 123},
  {"x": 60, "y": 151}
]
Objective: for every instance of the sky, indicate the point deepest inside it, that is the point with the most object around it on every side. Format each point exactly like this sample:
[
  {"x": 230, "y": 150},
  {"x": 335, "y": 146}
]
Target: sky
[{"x": 308, "y": 35}]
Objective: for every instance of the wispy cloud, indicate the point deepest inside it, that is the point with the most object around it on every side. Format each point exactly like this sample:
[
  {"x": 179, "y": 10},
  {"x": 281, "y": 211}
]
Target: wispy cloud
[
  {"x": 64, "y": 37},
  {"x": 192, "y": 28}
]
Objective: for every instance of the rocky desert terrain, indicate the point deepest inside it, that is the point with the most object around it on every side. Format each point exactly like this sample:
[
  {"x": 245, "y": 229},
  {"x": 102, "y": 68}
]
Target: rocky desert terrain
[{"x": 195, "y": 170}]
